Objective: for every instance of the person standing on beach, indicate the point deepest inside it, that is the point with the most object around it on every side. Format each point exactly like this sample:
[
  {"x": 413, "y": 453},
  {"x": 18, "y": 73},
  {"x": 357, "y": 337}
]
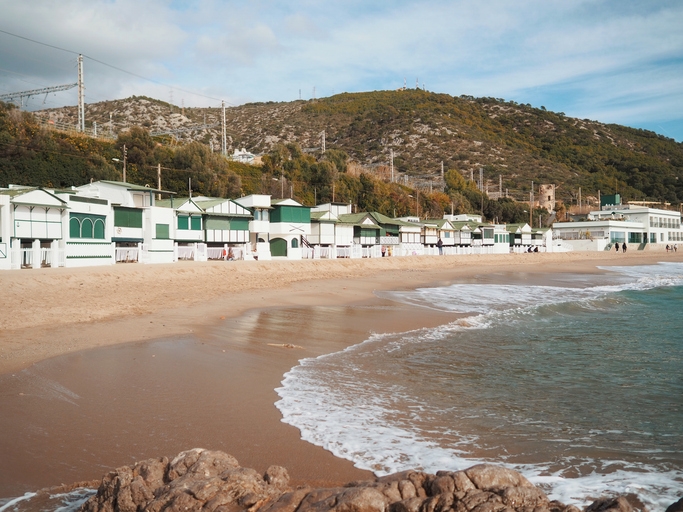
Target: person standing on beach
[
  {"x": 439, "y": 244},
  {"x": 616, "y": 246},
  {"x": 623, "y": 247}
]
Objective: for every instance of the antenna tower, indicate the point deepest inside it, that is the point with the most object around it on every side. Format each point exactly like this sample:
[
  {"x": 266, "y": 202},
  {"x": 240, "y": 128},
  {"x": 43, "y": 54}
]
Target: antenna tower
[{"x": 225, "y": 142}]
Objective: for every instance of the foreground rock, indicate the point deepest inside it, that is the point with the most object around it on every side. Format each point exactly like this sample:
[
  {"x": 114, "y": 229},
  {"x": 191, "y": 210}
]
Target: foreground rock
[{"x": 213, "y": 481}]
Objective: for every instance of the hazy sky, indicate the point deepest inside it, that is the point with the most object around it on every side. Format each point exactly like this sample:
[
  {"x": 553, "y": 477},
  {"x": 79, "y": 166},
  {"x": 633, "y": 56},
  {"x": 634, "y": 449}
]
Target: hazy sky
[{"x": 617, "y": 61}]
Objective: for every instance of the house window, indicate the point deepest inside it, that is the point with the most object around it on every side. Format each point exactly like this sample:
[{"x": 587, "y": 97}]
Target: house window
[
  {"x": 196, "y": 223},
  {"x": 83, "y": 225},
  {"x": 218, "y": 223},
  {"x": 239, "y": 224},
  {"x": 183, "y": 222},
  {"x": 617, "y": 236},
  {"x": 162, "y": 231},
  {"x": 295, "y": 243},
  {"x": 128, "y": 217}
]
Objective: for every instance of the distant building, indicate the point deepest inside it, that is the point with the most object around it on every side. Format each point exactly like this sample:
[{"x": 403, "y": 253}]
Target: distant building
[
  {"x": 641, "y": 226},
  {"x": 546, "y": 197},
  {"x": 243, "y": 156}
]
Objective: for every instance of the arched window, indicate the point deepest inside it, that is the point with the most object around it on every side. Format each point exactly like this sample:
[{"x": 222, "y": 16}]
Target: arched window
[
  {"x": 99, "y": 229},
  {"x": 295, "y": 243},
  {"x": 74, "y": 228},
  {"x": 86, "y": 228},
  {"x": 86, "y": 225}
]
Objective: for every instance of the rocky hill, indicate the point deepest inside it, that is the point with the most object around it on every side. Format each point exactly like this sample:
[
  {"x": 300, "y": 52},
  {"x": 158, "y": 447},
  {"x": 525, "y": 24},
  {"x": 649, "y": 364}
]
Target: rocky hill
[{"x": 509, "y": 142}]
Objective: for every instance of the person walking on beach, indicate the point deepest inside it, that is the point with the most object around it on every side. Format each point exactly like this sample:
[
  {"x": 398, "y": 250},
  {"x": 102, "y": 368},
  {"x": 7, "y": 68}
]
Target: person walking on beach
[
  {"x": 439, "y": 244},
  {"x": 616, "y": 246},
  {"x": 623, "y": 247}
]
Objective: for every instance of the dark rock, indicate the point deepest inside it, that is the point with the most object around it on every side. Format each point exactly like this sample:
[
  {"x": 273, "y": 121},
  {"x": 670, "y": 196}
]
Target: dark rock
[
  {"x": 619, "y": 504},
  {"x": 288, "y": 502},
  {"x": 407, "y": 505},
  {"x": 676, "y": 507}
]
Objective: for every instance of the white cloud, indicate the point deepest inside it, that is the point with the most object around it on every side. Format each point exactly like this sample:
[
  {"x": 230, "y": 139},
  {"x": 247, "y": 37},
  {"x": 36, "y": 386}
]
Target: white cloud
[{"x": 590, "y": 56}]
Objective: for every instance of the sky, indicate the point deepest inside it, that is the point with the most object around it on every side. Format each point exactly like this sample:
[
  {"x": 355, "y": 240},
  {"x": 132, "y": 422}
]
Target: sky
[{"x": 614, "y": 61}]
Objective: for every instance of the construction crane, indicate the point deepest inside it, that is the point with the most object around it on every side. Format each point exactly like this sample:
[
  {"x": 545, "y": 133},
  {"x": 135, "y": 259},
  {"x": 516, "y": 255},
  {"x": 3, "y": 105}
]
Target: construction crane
[{"x": 35, "y": 92}]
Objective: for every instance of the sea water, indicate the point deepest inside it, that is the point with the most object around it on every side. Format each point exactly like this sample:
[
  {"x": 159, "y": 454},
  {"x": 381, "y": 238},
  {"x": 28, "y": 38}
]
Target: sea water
[{"x": 576, "y": 382}]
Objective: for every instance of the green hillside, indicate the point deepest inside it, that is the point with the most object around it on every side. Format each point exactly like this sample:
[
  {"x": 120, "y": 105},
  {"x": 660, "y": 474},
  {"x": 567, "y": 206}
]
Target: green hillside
[{"x": 515, "y": 143}]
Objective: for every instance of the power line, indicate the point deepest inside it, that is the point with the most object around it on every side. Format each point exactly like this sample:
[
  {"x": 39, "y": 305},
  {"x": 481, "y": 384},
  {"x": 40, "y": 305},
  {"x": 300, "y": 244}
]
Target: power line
[
  {"x": 113, "y": 67},
  {"x": 37, "y": 42},
  {"x": 34, "y": 92}
]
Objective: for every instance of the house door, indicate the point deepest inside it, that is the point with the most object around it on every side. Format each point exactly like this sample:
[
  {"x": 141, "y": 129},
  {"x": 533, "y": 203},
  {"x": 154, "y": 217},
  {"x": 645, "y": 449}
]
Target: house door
[{"x": 278, "y": 247}]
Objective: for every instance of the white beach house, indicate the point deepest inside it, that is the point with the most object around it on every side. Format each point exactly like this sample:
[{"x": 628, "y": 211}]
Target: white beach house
[
  {"x": 142, "y": 231},
  {"x": 30, "y": 227},
  {"x": 290, "y": 224},
  {"x": 638, "y": 226},
  {"x": 259, "y": 225}
]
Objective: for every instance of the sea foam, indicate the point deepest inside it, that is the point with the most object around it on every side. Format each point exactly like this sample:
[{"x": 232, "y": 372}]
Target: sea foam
[{"x": 373, "y": 420}]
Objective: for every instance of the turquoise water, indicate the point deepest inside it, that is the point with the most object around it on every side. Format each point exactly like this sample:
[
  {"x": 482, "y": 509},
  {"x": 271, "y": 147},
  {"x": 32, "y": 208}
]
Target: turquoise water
[{"x": 577, "y": 382}]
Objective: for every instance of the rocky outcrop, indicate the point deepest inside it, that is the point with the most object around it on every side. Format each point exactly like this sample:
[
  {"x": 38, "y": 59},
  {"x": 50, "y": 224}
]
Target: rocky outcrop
[{"x": 212, "y": 481}]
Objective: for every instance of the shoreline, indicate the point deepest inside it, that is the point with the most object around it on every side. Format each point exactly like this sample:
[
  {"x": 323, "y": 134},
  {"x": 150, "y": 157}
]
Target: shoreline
[
  {"x": 76, "y": 305},
  {"x": 244, "y": 325}
]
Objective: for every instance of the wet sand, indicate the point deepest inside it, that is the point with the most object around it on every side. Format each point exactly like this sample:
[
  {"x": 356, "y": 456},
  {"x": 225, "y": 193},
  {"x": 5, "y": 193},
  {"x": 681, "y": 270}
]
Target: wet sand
[{"x": 100, "y": 367}]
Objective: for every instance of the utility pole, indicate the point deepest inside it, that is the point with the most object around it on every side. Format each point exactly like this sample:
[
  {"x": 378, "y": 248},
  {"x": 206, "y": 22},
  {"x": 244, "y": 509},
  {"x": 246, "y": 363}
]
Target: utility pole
[
  {"x": 81, "y": 96},
  {"x": 159, "y": 180},
  {"x": 125, "y": 155},
  {"x": 579, "y": 199},
  {"x": 391, "y": 152},
  {"x": 323, "y": 141},
  {"x": 481, "y": 180},
  {"x": 225, "y": 142},
  {"x": 531, "y": 205}
]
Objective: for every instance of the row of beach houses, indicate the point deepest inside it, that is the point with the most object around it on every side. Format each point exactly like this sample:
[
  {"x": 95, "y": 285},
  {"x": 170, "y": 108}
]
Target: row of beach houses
[{"x": 109, "y": 222}]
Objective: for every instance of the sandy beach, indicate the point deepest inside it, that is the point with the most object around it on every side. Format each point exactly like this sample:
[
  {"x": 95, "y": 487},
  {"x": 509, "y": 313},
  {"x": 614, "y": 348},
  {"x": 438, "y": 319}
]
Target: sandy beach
[{"x": 253, "y": 320}]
